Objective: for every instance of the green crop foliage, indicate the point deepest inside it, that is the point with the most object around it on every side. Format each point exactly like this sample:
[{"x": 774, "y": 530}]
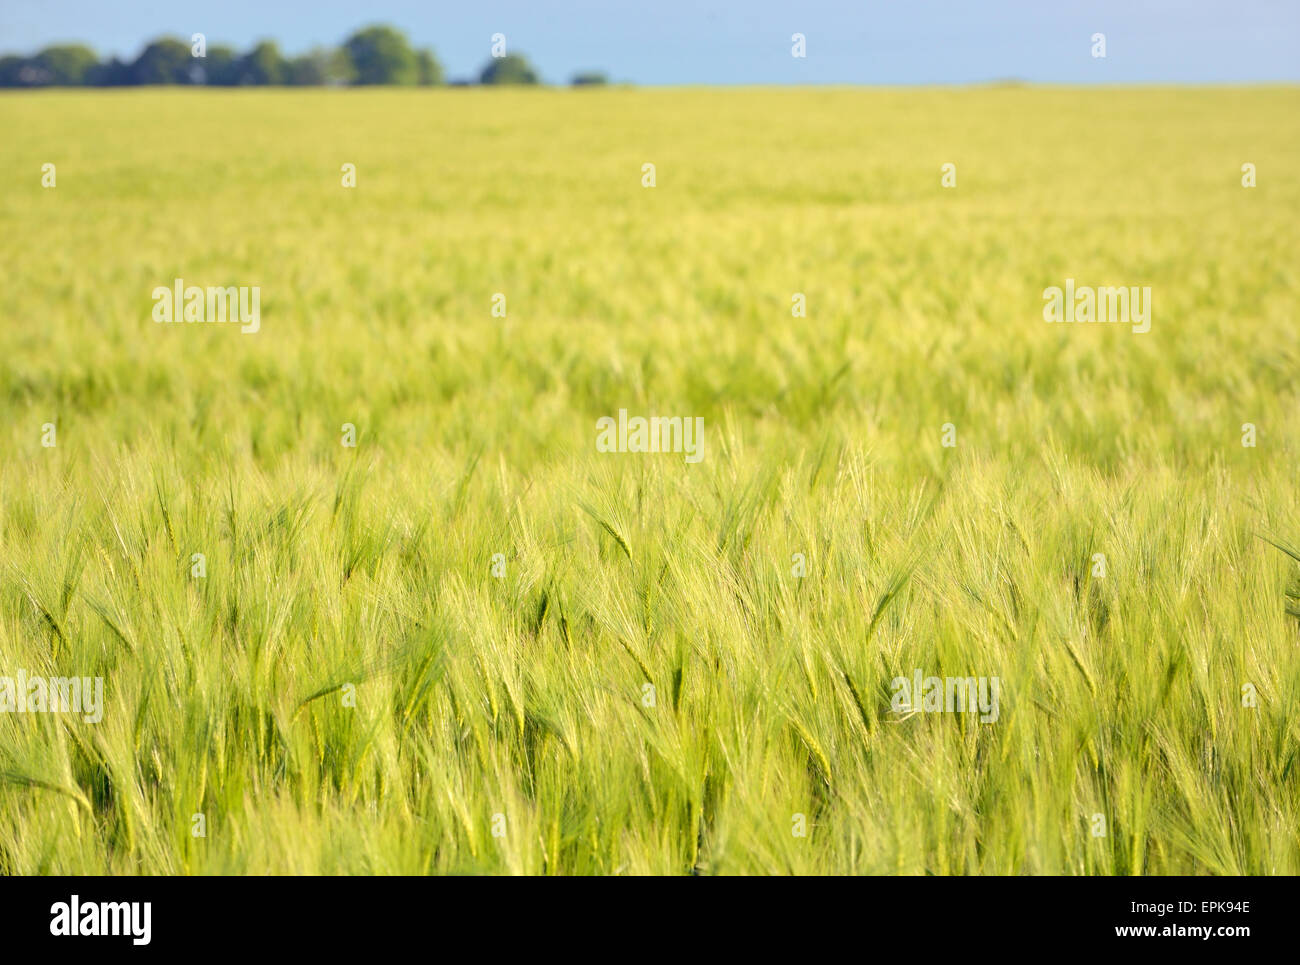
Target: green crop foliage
[{"x": 350, "y": 689}]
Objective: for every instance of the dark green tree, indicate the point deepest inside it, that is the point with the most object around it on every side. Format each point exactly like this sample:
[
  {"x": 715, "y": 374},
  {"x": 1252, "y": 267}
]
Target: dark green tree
[
  {"x": 589, "y": 78},
  {"x": 261, "y": 66},
  {"x": 428, "y": 70},
  {"x": 165, "y": 61},
  {"x": 319, "y": 67},
  {"x": 219, "y": 66},
  {"x": 11, "y": 70},
  {"x": 511, "y": 69},
  {"x": 382, "y": 55},
  {"x": 110, "y": 73},
  {"x": 65, "y": 65}
]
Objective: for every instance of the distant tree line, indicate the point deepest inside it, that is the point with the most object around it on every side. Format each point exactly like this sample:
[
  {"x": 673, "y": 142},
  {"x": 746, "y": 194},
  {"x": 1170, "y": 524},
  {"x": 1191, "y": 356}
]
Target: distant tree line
[{"x": 374, "y": 55}]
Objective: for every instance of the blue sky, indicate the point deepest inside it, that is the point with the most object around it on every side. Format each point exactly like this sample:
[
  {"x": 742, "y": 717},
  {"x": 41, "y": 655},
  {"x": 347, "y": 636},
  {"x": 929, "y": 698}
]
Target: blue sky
[{"x": 738, "y": 41}]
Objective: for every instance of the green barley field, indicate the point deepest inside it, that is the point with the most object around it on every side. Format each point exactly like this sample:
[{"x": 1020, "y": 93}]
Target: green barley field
[{"x": 429, "y": 652}]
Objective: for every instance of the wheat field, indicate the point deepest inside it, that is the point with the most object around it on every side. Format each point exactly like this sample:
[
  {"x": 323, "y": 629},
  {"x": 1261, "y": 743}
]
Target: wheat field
[{"x": 474, "y": 643}]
